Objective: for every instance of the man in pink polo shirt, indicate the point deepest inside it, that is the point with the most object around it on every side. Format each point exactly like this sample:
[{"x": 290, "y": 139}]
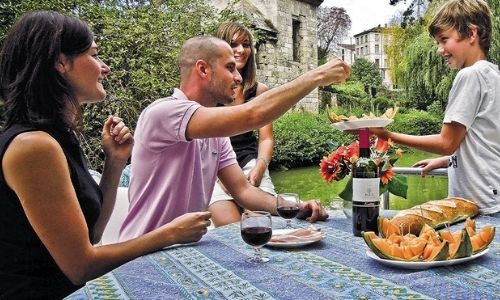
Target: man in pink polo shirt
[{"x": 182, "y": 145}]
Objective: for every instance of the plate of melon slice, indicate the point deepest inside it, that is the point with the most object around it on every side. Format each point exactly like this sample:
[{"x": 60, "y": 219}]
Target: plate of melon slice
[
  {"x": 430, "y": 248},
  {"x": 422, "y": 265}
]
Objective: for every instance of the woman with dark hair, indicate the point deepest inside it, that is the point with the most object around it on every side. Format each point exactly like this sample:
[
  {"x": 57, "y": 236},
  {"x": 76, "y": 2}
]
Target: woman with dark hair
[
  {"x": 51, "y": 210},
  {"x": 253, "y": 154}
]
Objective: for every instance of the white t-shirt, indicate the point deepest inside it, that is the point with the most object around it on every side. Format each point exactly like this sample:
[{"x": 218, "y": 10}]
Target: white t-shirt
[{"x": 474, "y": 102}]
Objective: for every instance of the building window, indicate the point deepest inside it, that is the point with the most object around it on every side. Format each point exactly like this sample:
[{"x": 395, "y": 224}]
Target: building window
[
  {"x": 377, "y": 49},
  {"x": 357, "y": 41},
  {"x": 295, "y": 40},
  {"x": 377, "y": 62},
  {"x": 343, "y": 54}
]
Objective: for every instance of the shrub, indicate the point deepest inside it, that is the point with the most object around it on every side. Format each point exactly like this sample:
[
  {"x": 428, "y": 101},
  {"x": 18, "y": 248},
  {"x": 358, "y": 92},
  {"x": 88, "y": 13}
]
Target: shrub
[
  {"x": 350, "y": 94},
  {"x": 302, "y": 139},
  {"x": 416, "y": 122},
  {"x": 436, "y": 109},
  {"x": 381, "y": 103}
]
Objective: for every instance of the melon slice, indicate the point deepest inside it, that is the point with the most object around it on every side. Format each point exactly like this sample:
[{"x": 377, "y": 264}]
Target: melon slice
[
  {"x": 459, "y": 243},
  {"x": 409, "y": 250},
  {"x": 386, "y": 228},
  {"x": 482, "y": 239},
  {"x": 436, "y": 251},
  {"x": 470, "y": 226}
]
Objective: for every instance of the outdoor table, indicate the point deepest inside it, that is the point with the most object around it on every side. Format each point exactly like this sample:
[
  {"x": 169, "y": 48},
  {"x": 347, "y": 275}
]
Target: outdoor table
[{"x": 337, "y": 267}]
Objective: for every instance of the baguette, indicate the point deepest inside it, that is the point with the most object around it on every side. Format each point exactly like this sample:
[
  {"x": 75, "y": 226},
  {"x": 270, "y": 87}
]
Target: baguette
[{"x": 435, "y": 213}]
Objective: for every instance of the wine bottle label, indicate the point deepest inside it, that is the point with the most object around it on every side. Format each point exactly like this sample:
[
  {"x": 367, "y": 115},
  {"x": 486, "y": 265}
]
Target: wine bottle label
[{"x": 365, "y": 189}]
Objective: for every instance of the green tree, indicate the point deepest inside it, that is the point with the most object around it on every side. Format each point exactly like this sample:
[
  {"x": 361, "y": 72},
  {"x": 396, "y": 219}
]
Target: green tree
[
  {"x": 368, "y": 74},
  {"x": 139, "y": 40},
  {"x": 333, "y": 25},
  {"x": 141, "y": 45},
  {"x": 418, "y": 69},
  {"x": 494, "y": 54},
  {"x": 428, "y": 78}
]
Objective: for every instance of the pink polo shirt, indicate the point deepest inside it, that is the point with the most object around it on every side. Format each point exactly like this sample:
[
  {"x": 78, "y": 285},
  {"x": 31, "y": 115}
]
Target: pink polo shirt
[{"x": 170, "y": 175}]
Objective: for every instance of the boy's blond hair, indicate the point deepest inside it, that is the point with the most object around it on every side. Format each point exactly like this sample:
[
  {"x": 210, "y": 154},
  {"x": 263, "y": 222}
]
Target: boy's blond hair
[{"x": 460, "y": 15}]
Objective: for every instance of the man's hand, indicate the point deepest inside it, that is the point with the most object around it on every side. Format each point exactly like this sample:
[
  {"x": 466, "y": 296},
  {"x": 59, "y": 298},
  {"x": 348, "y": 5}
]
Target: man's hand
[
  {"x": 312, "y": 211},
  {"x": 334, "y": 72}
]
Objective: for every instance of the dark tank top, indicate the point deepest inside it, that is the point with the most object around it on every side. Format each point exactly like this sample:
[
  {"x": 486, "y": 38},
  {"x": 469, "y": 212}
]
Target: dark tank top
[
  {"x": 27, "y": 270},
  {"x": 245, "y": 145}
]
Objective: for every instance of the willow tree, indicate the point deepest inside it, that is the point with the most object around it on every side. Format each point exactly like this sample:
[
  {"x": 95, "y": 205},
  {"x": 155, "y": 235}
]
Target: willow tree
[
  {"x": 427, "y": 78},
  {"x": 494, "y": 55},
  {"x": 418, "y": 69}
]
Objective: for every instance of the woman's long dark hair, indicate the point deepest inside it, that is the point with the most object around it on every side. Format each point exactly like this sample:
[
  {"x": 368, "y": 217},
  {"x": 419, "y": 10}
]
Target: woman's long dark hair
[
  {"x": 226, "y": 32},
  {"x": 33, "y": 90}
]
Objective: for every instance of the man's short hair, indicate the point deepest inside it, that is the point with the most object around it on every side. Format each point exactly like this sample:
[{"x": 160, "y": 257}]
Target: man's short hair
[
  {"x": 204, "y": 47},
  {"x": 459, "y": 15}
]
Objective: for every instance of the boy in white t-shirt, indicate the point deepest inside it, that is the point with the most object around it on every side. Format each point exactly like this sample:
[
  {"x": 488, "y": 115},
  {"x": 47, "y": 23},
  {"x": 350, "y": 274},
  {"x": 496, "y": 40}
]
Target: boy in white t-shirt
[{"x": 470, "y": 135}]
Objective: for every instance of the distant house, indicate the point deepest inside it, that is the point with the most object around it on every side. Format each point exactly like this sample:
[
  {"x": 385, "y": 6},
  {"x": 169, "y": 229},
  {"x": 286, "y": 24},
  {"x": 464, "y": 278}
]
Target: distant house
[
  {"x": 289, "y": 47},
  {"x": 370, "y": 44},
  {"x": 346, "y": 52}
]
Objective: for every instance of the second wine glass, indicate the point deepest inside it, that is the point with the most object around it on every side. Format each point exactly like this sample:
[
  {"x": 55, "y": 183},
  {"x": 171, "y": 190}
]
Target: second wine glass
[{"x": 288, "y": 206}]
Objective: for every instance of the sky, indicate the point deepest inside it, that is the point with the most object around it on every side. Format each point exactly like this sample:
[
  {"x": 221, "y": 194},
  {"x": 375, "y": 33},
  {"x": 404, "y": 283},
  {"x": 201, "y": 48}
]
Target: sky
[{"x": 366, "y": 14}]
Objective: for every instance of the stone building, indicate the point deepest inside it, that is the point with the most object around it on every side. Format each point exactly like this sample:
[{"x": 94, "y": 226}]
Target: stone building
[
  {"x": 370, "y": 44},
  {"x": 288, "y": 47}
]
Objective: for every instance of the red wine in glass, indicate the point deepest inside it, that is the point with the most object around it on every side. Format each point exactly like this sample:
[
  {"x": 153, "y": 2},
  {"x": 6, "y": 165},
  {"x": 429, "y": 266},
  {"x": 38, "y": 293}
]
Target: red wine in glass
[
  {"x": 287, "y": 212},
  {"x": 256, "y": 236},
  {"x": 287, "y": 205},
  {"x": 256, "y": 230}
]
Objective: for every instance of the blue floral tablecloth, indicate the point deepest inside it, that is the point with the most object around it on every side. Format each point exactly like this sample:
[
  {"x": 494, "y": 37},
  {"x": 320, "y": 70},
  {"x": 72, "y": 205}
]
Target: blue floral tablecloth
[{"x": 335, "y": 268}]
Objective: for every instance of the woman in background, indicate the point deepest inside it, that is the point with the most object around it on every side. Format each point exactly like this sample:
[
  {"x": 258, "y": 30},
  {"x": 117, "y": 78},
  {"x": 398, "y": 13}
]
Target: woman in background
[
  {"x": 51, "y": 210},
  {"x": 253, "y": 154}
]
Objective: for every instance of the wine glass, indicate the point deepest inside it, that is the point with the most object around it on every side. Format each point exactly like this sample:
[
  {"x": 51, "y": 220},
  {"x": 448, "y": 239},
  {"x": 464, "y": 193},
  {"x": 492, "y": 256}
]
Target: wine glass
[
  {"x": 287, "y": 205},
  {"x": 256, "y": 230}
]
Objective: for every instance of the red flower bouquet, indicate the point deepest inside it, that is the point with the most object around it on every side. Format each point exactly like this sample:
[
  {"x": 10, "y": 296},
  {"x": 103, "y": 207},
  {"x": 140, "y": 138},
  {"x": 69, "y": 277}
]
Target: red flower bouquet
[{"x": 384, "y": 154}]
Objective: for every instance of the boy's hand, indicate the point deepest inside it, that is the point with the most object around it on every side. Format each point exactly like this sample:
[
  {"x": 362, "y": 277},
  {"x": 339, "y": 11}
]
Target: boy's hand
[{"x": 428, "y": 165}]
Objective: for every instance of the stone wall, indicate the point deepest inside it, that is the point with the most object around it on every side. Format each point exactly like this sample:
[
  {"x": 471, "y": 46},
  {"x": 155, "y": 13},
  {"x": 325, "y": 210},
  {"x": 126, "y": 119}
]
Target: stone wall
[{"x": 275, "y": 59}]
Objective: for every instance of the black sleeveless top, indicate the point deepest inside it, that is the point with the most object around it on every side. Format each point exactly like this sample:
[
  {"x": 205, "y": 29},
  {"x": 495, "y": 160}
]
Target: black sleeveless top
[
  {"x": 245, "y": 145},
  {"x": 27, "y": 270}
]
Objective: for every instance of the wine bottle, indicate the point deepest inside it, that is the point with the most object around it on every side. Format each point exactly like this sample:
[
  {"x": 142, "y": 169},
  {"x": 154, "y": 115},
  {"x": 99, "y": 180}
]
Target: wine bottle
[{"x": 365, "y": 189}]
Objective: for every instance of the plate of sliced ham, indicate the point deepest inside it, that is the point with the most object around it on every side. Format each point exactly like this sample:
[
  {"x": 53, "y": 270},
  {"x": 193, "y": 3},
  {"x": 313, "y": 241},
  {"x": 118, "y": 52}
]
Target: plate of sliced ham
[{"x": 295, "y": 237}]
